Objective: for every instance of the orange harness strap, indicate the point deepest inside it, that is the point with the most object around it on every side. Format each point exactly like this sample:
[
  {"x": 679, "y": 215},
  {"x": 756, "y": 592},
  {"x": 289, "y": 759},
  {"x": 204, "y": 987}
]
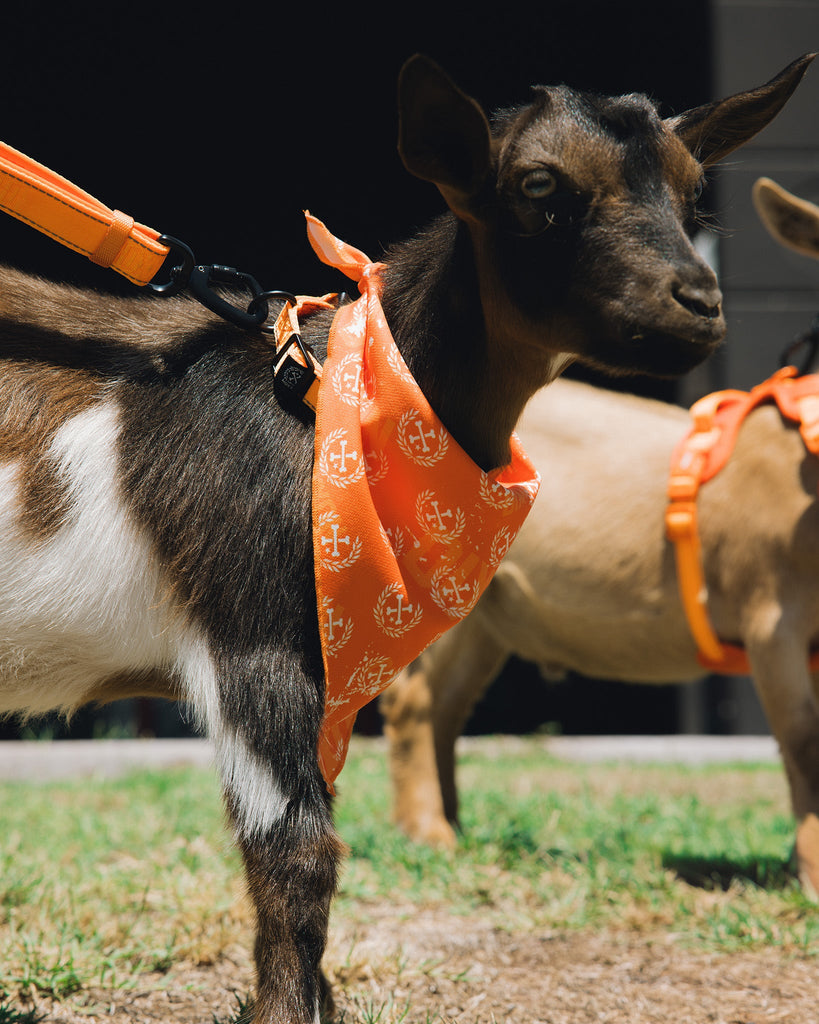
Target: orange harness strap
[
  {"x": 699, "y": 457},
  {"x": 37, "y": 196}
]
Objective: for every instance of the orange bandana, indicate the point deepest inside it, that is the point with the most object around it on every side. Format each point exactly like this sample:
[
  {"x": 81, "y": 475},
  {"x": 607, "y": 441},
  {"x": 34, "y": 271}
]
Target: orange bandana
[{"x": 407, "y": 529}]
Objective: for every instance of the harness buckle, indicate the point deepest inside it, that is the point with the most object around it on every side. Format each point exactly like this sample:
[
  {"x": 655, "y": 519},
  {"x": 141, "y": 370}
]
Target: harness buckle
[
  {"x": 296, "y": 371},
  {"x": 680, "y": 518},
  {"x": 683, "y": 487}
]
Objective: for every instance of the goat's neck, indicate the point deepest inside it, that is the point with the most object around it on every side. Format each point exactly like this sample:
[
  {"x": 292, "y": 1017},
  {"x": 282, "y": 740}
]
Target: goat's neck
[{"x": 474, "y": 377}]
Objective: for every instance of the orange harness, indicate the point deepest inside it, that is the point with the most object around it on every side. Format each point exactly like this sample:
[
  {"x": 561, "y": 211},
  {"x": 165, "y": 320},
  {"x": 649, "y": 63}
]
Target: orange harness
[{"x": 699, "y": 457}]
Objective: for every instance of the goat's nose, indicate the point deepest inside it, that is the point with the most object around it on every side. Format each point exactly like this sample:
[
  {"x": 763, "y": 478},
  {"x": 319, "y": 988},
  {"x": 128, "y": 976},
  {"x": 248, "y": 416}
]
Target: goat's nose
[{"x": 701, "y": 300}]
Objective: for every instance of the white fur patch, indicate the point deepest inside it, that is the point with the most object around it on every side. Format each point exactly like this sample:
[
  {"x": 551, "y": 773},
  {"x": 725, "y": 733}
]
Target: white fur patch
[
  {"x": 251, "y": 783},
  {"x": 87, "y": 602}
]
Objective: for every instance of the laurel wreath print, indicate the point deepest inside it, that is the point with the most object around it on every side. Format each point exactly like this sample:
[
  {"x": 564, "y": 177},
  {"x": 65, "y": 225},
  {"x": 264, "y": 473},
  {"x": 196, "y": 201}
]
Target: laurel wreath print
[
  {"x": 347, "y": 379},
  {"x": 398, "y": 366},
  {"x": 334, "y": 645},
  {"x": 378, "y": 466},
  {"x": 495, "y": 494},
  {"x": 372, "y": 675},
  {"x": 326, "y": 466},
  {"x": 396, "y": 537},
  {"x": 381, "y": 612},
  {"x": 501, "y": 543},
  {"x": 335, "y": 564},
  {"x": 436, "y": 530},
  {"x": 458, "y": 608},
  {"x": 440, "y": 440},
  {"x": 339, "y": 564}
]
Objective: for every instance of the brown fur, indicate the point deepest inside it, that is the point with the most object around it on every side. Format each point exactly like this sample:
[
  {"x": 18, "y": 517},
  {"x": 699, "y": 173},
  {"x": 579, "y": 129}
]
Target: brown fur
[
  {"x": 34, "y": 402},
  {"x": 591, "y": 584}
]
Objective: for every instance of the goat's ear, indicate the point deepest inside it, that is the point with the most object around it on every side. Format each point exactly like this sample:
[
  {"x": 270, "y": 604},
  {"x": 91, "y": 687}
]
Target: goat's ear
[
  {"x": 443, "y": 135},
  {"x": 714, "y": 130},
  {"x": 792, "y": 221}
]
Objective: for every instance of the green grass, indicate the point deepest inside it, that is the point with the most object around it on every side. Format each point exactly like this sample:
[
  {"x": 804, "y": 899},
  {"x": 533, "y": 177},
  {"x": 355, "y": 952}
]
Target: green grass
[
  {"x": 10, "y": 1014},
  {"x": 102, "y": 883},
  {"x": 702, "y": 852}
]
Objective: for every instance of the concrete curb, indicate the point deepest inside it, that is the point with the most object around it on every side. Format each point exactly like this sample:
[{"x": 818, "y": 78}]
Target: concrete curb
[
  {"x": 24, "y": 759},
  {"x": 59, "y": 759}
]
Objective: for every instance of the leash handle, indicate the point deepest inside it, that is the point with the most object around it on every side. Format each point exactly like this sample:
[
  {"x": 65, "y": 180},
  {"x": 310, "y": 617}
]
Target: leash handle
[{"x": 38, "y": 196}]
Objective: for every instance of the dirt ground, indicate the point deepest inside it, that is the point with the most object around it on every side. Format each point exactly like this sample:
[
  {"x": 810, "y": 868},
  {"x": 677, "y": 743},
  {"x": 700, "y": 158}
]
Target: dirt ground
[{"x": 464, "y": 971}]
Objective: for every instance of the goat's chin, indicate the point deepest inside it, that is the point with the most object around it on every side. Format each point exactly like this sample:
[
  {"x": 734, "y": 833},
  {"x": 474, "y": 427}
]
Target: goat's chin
[{"x": 655, "y": 354}]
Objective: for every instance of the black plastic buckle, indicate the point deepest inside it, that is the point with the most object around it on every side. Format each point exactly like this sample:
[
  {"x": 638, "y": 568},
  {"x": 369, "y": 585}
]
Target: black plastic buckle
[{"x": 293, "y": 379}]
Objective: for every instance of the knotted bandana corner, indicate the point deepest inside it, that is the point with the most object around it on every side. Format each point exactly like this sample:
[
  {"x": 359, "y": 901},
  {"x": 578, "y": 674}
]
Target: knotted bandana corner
[{"x": 407, "y": 529}]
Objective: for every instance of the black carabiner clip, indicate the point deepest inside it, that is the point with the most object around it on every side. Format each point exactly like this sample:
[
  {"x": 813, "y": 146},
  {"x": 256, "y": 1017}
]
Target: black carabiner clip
[{"x": 200, "y": 283}]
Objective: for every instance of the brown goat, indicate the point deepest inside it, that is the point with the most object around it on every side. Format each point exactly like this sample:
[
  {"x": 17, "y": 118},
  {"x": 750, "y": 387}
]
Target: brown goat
[
  {"x": 155, "y": 501},
  {"x": 590, "y": 584}
]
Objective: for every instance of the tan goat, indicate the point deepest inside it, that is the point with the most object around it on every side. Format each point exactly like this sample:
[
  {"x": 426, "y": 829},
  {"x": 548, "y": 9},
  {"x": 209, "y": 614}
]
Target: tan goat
[{"x": 590, "y": 584}]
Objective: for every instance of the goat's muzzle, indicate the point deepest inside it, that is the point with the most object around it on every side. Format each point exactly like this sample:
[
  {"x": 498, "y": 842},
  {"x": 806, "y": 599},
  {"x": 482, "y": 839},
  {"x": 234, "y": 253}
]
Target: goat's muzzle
[{"x": 692, "y": 307}]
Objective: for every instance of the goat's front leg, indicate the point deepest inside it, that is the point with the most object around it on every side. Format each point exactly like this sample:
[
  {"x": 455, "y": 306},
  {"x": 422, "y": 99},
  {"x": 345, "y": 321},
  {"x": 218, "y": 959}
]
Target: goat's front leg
[
  {"x": 291, "y": 877},
  {"x": 265, "y": 734},
  {"x": 790, "y": 698},
  {"x": 425, "y": 711}
]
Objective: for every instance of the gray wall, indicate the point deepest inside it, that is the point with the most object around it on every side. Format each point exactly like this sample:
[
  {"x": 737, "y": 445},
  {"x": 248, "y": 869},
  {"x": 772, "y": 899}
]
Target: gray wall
[{"x": 771, "y": 293}]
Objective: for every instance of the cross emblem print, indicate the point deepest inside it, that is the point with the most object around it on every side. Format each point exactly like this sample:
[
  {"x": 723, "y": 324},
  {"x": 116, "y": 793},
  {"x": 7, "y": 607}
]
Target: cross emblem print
[
  {"x": 377, "y": 676},
  {"x": 458, "y": 593},
  {"x": 332, "y": 622},
  {"x": 397, "y": 611},
  {"x": 334, "y": 541},
  {"x": 351, "y": 378},
  {"x": 421, "y": 436},
  {"x": 341, "y": 455},
  {"x": 436, "y": 516}
]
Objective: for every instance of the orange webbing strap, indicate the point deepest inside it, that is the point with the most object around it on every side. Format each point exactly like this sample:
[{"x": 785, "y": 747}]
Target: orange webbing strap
[
  {"x": 716, "y": 420},
  {"x": 808, "y": 406},
  {"x": 37, "y": 196},
  {"x": 681, "y": 530}
]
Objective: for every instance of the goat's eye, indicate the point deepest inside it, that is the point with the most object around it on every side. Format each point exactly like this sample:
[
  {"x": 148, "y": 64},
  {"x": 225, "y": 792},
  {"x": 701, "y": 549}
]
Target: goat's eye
[{"x": 538, "y": 184}]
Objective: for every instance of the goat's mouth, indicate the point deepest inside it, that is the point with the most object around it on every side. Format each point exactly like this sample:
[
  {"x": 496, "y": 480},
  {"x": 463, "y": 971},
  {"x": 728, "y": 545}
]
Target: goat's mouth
[
  {"x": 657, "y": 351},
  {"x": 670, "y": 353}
]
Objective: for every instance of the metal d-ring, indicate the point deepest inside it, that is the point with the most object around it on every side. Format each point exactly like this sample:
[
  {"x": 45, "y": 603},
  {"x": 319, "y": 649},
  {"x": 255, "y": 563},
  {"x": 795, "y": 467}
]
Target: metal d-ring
[
  {"x": 180, "y": 274},
  {"x": 275, "y": 295}
]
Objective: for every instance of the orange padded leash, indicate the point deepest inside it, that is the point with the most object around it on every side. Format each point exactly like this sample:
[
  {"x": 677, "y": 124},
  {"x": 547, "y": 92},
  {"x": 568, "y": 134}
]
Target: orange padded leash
[
  {"x": 39, "y": 197},
  {"x": 717, "y": 419},
  {"x": 50, "y": 203}
]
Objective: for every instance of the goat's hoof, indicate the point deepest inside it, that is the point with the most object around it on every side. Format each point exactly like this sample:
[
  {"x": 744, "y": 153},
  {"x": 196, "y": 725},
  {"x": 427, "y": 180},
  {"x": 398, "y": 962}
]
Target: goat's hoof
[
  {"x": 807, "y": 855},
  {"x": 429, "y": 831}
]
